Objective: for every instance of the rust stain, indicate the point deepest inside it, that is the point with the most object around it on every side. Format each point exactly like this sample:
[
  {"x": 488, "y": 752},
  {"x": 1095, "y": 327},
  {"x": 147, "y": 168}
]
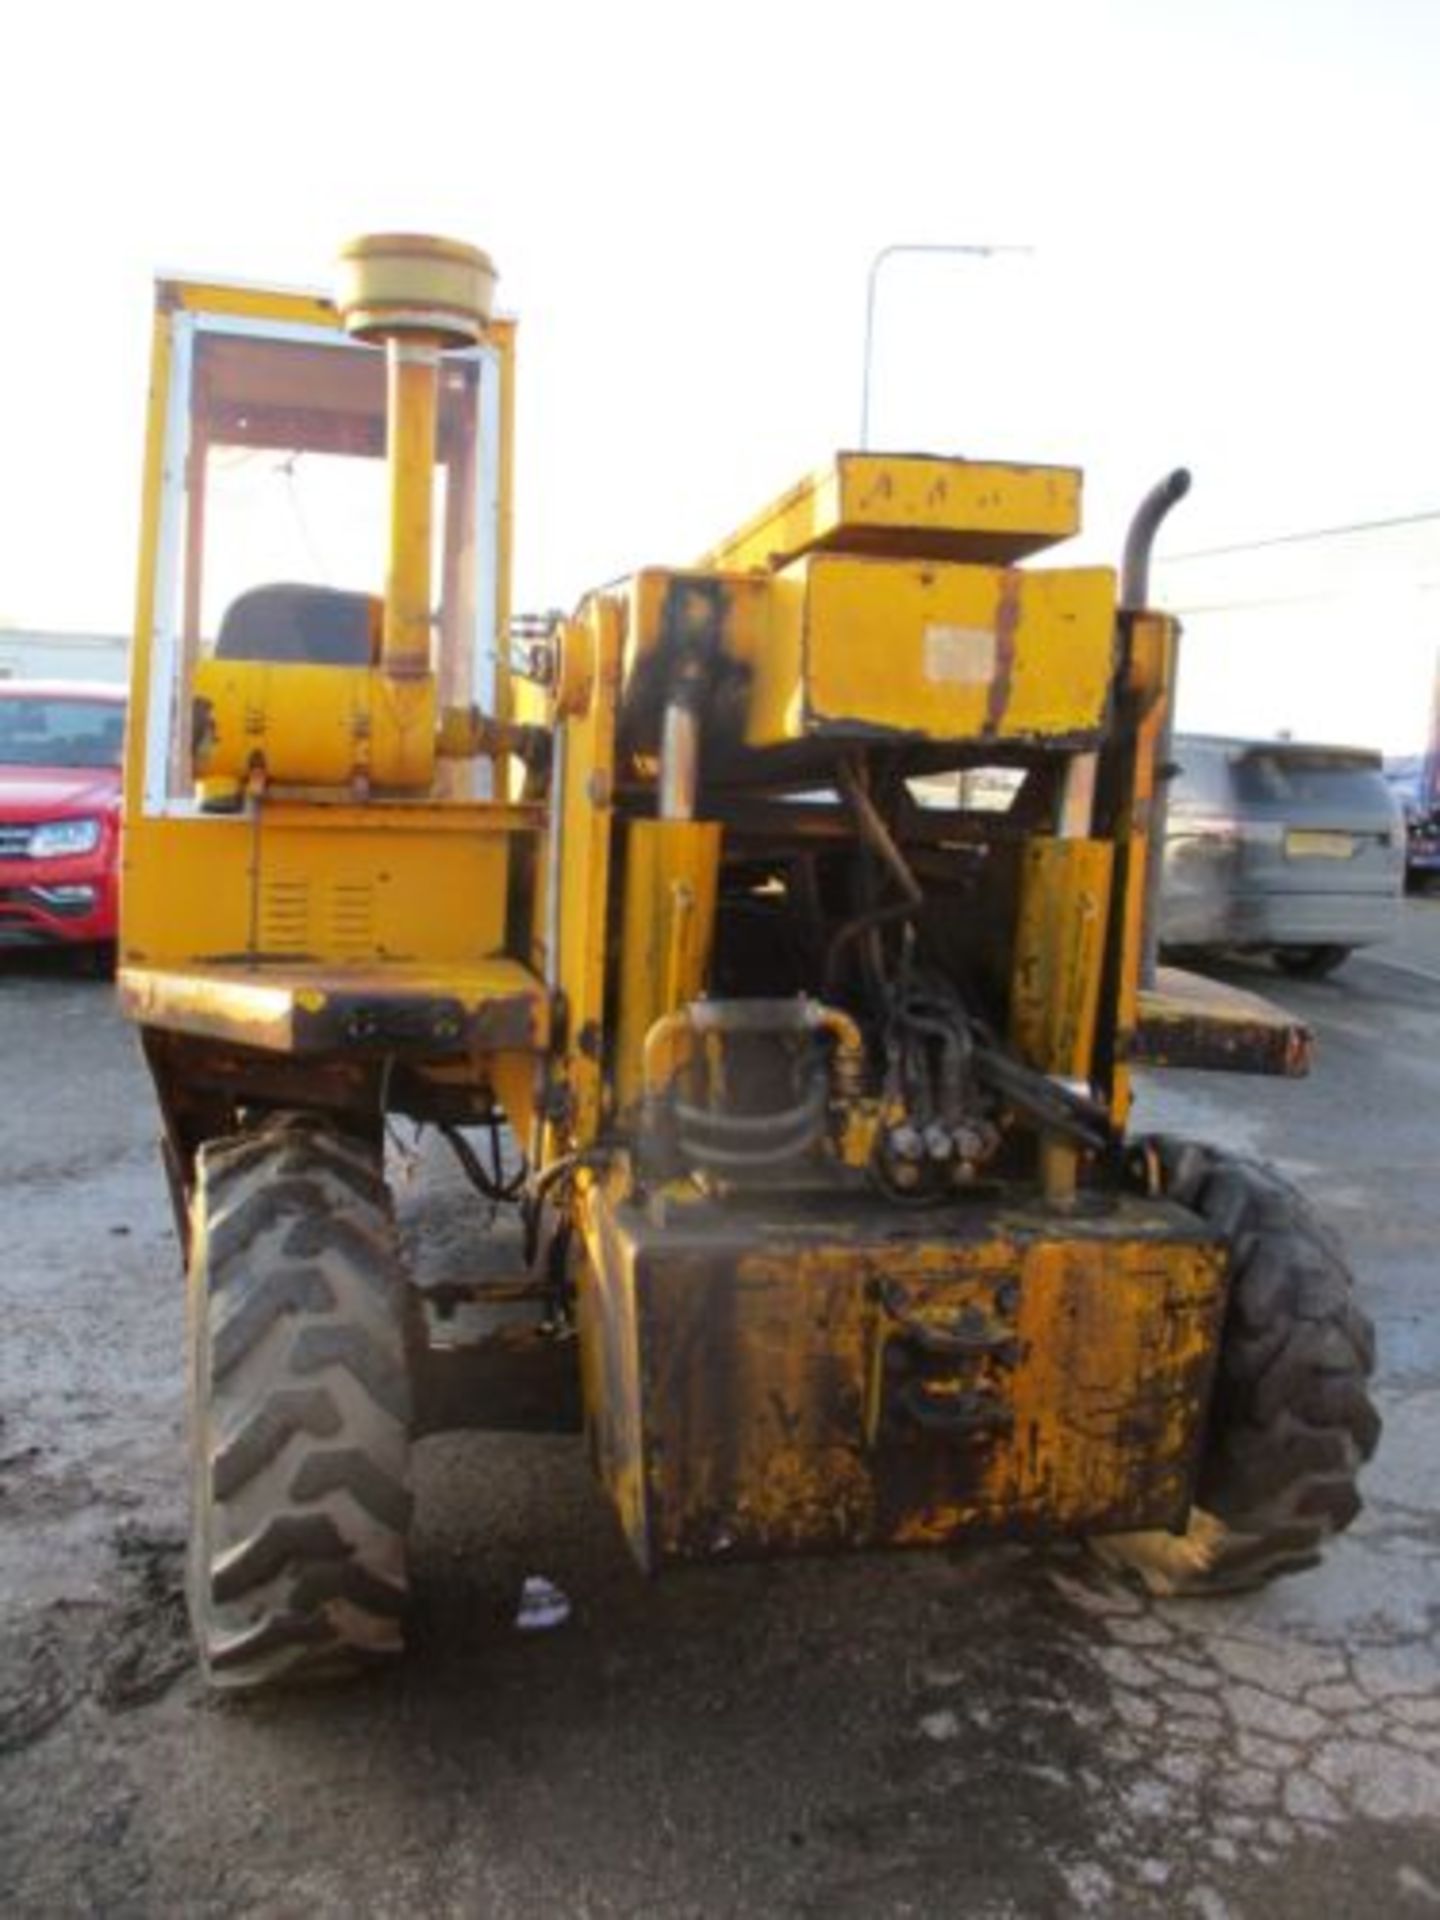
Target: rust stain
[
  {"x": 1007, "y": 619},
  {"x": 1219, "y": 1045},
  {"x": 1186, "y": 1021}
]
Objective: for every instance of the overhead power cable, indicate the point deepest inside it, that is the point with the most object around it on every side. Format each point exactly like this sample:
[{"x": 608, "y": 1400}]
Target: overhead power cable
[
  {"x": 1296, "y": 539},
  {"x": 1320, "y": 597}
]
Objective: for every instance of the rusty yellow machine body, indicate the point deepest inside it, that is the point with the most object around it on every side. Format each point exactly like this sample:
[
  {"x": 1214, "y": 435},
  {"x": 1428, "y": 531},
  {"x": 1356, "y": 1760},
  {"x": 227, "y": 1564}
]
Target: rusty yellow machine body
[{"x": 785, "y": 908}]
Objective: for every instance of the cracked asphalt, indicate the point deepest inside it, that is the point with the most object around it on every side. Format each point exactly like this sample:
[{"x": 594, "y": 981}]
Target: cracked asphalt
[{"x": 988, "y": 1733}]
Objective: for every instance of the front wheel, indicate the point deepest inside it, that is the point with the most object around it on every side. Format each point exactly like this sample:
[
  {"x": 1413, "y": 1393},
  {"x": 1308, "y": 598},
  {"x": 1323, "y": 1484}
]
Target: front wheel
[
  {"x": 300, "y": 1409},
  {"x": 1311, "y": 963},
  {"x": 1291, "y": 1421}
]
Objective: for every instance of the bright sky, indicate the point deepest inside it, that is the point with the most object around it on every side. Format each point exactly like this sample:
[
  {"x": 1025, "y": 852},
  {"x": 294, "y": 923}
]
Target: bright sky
[{"x": 1231, "y": 206}]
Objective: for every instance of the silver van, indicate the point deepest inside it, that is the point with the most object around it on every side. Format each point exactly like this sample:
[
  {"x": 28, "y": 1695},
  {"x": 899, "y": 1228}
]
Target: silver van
[{"x": 1274, "y": 846}]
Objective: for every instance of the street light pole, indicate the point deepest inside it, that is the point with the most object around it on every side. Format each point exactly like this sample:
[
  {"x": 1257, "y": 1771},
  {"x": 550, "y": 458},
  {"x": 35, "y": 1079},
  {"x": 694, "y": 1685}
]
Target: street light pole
[{"x": 979, "y": 251}]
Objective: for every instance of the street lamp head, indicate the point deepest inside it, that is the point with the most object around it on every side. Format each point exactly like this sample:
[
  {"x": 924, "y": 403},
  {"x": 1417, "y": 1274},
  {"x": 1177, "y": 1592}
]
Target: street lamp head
[{"x": 978, "y": 249}]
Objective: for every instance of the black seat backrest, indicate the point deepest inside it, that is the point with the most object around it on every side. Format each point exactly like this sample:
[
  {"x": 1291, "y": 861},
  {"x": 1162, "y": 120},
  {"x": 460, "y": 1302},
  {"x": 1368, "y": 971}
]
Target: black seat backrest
[{"x": 316, "y": 626}]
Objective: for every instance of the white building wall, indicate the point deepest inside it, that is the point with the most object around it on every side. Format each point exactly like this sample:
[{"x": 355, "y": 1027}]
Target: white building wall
[{"x": 28, "y": 654}]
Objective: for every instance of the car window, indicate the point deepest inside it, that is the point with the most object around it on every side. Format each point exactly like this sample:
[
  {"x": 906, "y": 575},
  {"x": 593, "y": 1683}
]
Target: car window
[
  {"x": 1202, "y": 775},
  {"x": 48, "y": 732}
]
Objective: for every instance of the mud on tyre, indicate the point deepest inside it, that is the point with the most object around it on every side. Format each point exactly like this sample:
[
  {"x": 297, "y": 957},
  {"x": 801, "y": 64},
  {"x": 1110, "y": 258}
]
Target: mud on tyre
[
  {"x": 1291, "y": 1420},
  {"x": 300, "y": 1409}
]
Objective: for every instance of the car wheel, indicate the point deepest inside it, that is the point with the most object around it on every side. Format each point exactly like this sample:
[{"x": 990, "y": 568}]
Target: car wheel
[
  {"x": 1311, "y": 963},
  {"x": 96, "y": 962}
]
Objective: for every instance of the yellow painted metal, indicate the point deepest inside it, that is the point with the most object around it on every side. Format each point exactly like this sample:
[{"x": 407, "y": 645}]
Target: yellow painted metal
[
  {"x": 413, "y": 373},
  {"x": 418, "y": 295},
  {"x": 909, "y": 503},
  {"x": 743, "y": 1363},
  {"x": 939, "y": 651},
  {"x": 1059, "y": 953},
  {"x": 610, "y": 1374},
  {"x": 837, "y": 645},
  {"x": 745, "y": 1375},
  {"x": 1190, "y": 1020},
  {"x": 315, "y": 725},
  {"x": 229, "y": 301},
  {"x": 575, "y": 667},
  {"x": 133, "y": 777},
  {"x": 303, "y": 1007},
  {"x": 1149, "y": 688},
  {"x": 467, "y": 733},
  {"x": 414, "y": 885},
  {"x": 580, "y": 828},
  {"x": 671, "y": 873},
  {"x": 353, "y": 885},
  {"x": 292, "y": 308}
]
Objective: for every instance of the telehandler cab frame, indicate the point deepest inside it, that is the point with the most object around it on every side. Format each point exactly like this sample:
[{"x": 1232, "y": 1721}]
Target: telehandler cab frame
[{"x": 785, "y": 909}]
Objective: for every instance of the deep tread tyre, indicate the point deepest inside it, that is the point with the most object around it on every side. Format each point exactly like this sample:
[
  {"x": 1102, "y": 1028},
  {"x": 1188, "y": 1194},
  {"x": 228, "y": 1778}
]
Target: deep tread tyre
[
  {"x": 300, "y": 1409},
  {"x": 1291, "y": 1420}
]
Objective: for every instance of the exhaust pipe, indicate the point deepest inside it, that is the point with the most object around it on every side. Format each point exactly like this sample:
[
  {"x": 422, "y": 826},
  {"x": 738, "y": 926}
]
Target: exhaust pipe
[{"x": 1150, "y": 516}]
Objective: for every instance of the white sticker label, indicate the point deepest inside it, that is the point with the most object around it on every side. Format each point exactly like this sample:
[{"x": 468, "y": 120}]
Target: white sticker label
[{"x": 959, "y": 656}]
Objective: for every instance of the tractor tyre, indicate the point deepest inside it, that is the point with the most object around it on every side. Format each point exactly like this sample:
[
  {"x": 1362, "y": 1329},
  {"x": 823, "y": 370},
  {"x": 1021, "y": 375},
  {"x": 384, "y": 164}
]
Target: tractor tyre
[
  {"x": 1291, "y": 1421},
  {"x": 300, "y": 1409}
]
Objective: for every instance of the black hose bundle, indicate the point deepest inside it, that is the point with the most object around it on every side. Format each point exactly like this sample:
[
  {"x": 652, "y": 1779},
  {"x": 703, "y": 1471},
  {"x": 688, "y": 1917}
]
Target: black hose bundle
[
  {"x": 941, "y": 1060},
  {"x": 489, "y": 1181}
]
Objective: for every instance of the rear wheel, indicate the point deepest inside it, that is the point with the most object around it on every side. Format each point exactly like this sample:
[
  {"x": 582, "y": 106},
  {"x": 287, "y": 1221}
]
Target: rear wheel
[
  {"x": 1311, "y": 963},
  {"x": 300, "y": 1409},
  {"x": 1291, "y": 1420}
]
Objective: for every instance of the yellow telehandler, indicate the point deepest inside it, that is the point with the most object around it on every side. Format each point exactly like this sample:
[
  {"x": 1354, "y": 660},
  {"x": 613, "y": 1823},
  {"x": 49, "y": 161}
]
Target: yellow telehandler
[{"x": 766, "y": 939}]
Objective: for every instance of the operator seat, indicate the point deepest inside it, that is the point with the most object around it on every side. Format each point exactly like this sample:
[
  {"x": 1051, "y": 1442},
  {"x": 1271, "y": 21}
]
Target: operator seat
[{"x": 292, "y": 623}]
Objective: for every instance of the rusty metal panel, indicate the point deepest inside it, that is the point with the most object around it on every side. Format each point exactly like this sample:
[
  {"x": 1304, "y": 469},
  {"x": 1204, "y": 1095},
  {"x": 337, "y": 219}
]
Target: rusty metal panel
[
  {"x": 671, "y": 875},
  {"x": 610, "y": 1370},
  {"x": 782, "y": 1379},
  {"x": 489, "y": 1007},
  {"x": 1060, "y": 953},
  {"x": 1186, "y": 1020},
  {"x": 1145, "y": 694}
]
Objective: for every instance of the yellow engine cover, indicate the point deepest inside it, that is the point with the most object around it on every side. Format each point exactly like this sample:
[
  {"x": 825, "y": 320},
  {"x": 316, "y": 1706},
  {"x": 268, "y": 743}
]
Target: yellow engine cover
[{"x": 320, "y": 726}]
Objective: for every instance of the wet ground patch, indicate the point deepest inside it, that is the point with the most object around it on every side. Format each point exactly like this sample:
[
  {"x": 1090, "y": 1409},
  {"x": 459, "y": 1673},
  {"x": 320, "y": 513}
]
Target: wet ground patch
[{"x": 123, "y": 1652}]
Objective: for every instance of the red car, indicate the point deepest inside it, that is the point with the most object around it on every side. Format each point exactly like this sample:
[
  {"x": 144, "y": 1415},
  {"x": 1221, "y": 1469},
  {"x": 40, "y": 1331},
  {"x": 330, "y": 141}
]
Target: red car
[{"x": 60, "y": 750}]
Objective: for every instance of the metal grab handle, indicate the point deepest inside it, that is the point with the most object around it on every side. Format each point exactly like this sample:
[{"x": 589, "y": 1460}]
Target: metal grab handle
[
  {"x": 970, "y": 1412},
  {"x": 803, "y": 1117},
  {"x": 796, "y": 1016},
  {"x": 949, "y": 1343}
]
